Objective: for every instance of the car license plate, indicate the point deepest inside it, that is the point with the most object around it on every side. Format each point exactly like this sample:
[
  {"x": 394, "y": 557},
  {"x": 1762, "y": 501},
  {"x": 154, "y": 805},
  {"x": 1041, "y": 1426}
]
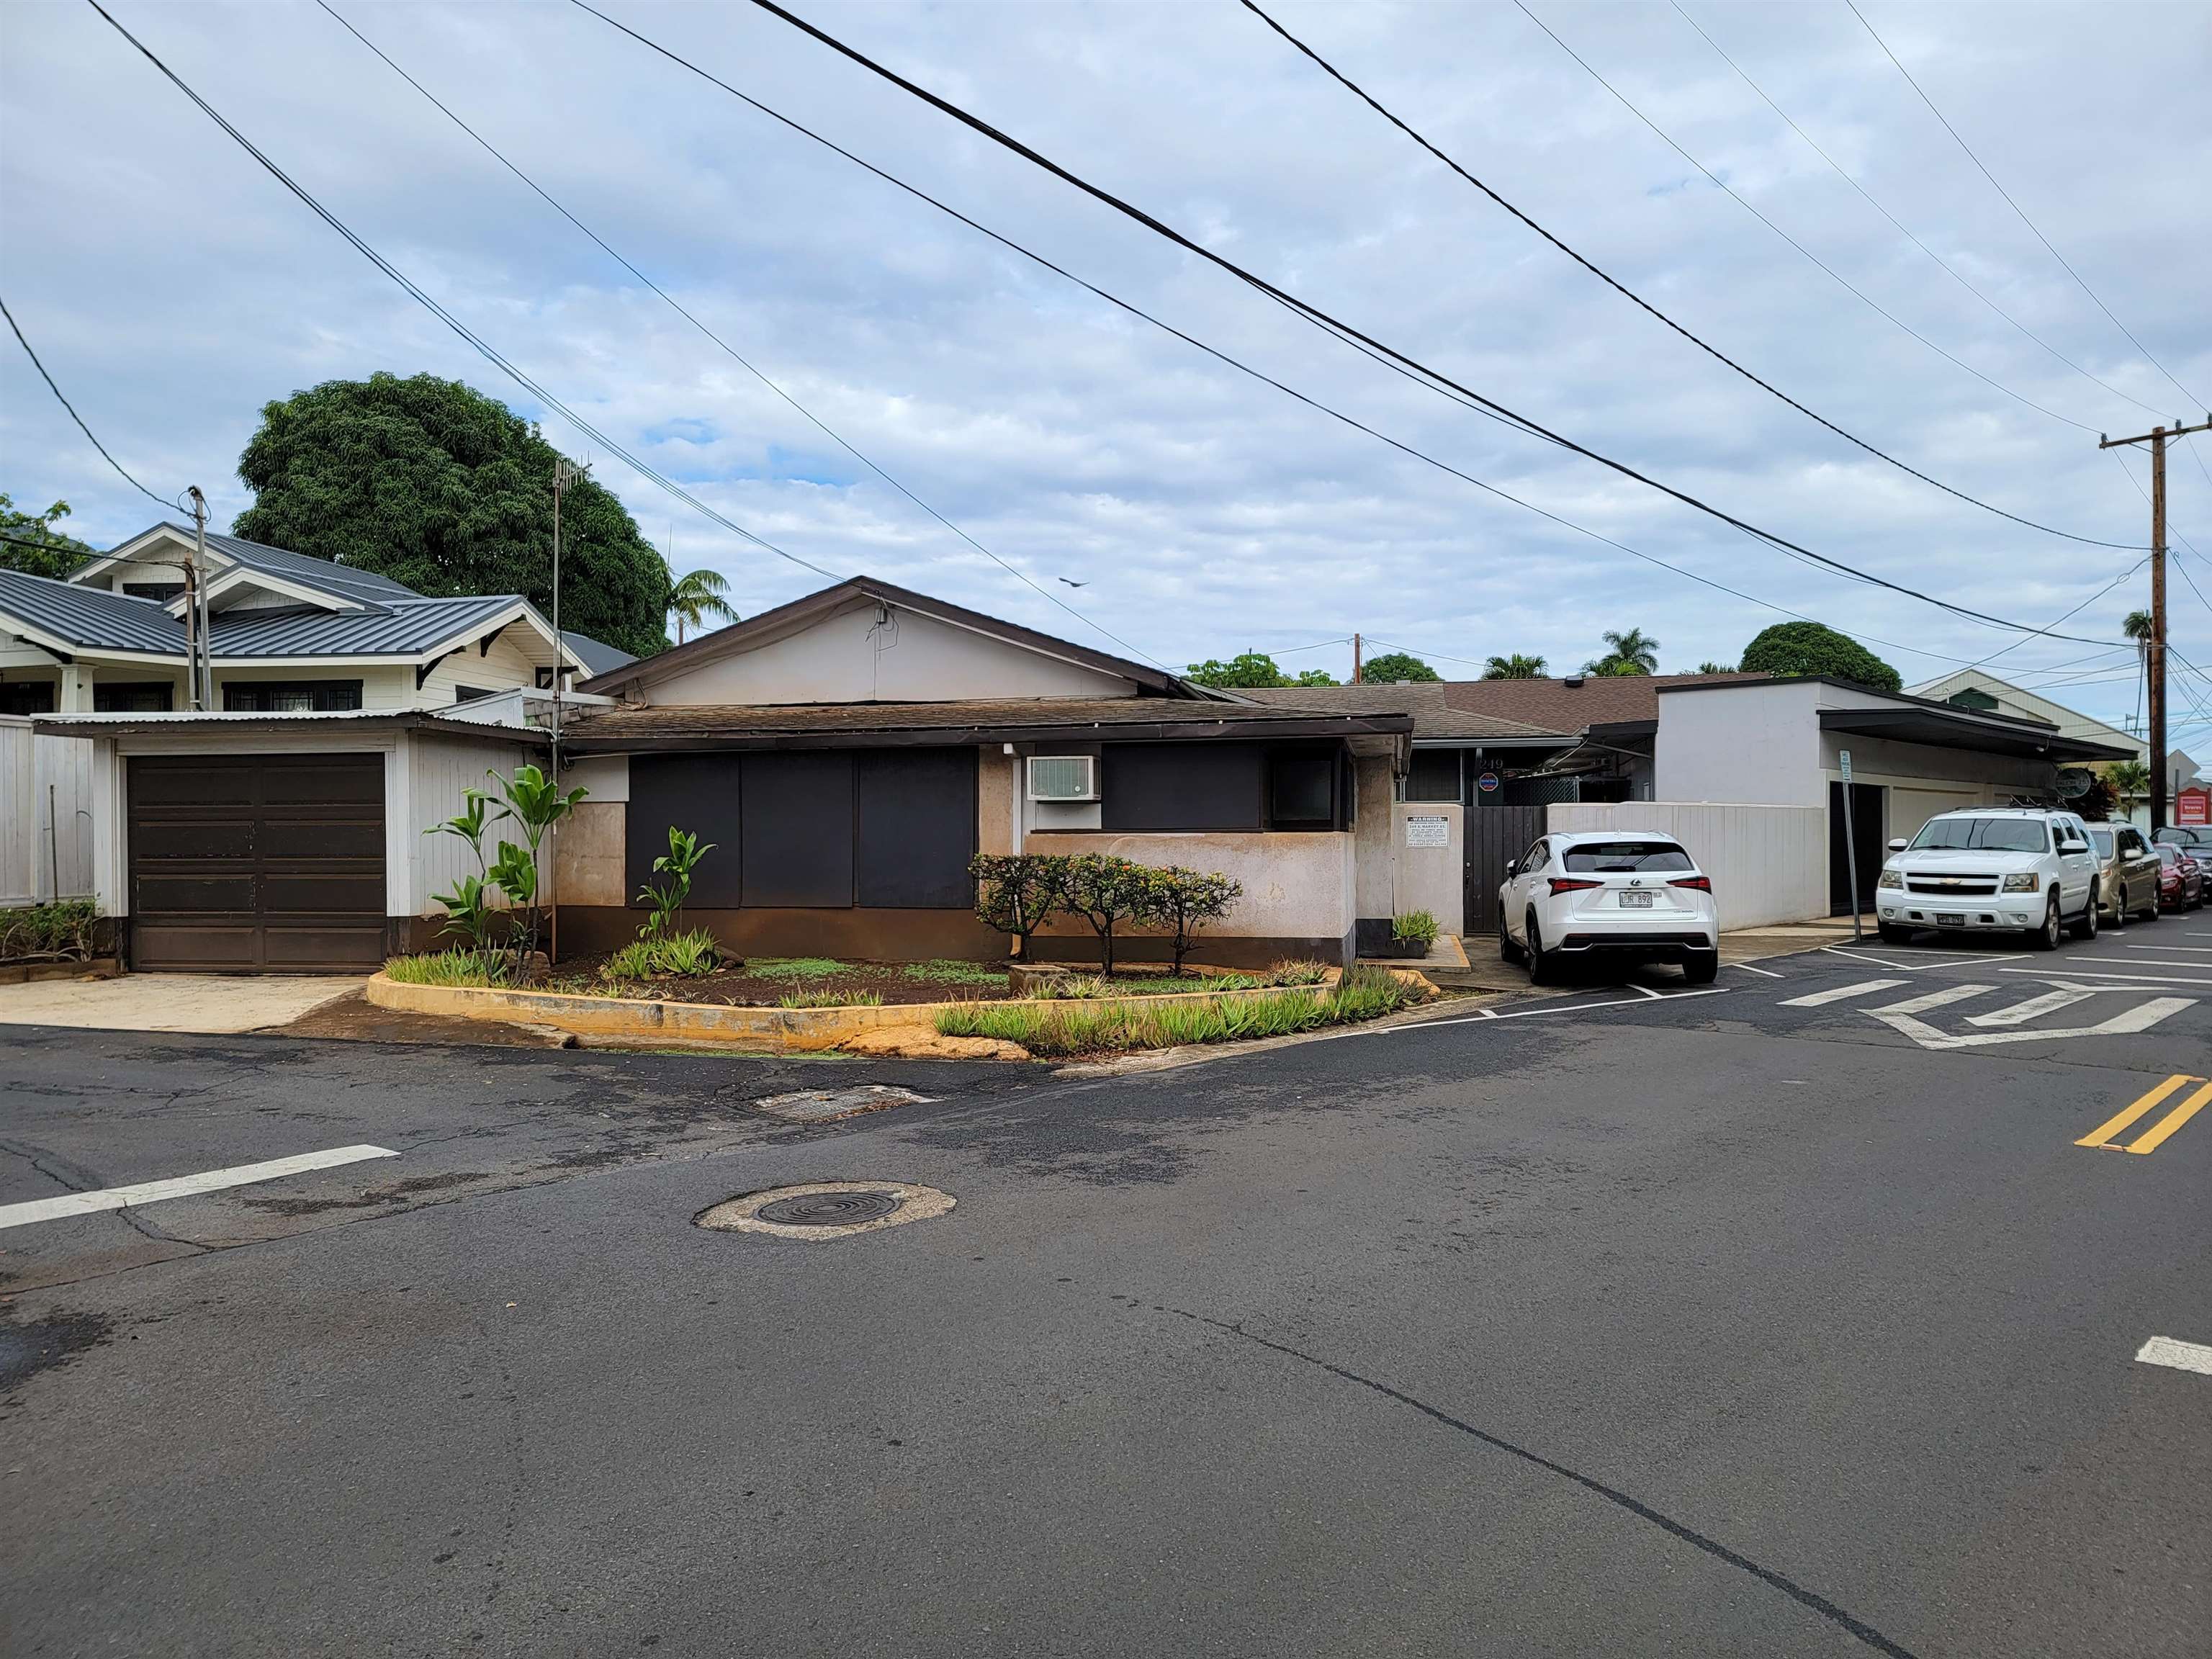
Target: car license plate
[
  {"x": 1951, "y": 920},
  {"x": 1636, "y": 901}
]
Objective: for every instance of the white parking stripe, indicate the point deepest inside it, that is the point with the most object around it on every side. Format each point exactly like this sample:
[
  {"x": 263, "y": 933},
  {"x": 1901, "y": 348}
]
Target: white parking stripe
[
  {"x": 2176, "y": 949},
  {"x": 1927, "y": 958},
  {"x": 1516, "y": 1013},
  {"x": 1764, "y": 973},
  {"x": 1837, "y": 993},
  {"x": 1948, "y": 994},
  {"x": 2139, "y": 976},
  {"x": 2034, "y": 1008},
  {"x": 2182, "y": 1356},
  {"x": 209, "y": 1181}
]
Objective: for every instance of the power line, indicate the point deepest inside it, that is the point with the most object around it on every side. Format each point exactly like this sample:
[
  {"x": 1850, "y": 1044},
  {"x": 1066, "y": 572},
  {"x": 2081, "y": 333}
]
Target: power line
[
  {"x": 1835, "y": 276},
  {"x": 482, "y": 348},
  {"x": 73, "y": 415},
  {"x": 2016, "y": 207},
  {"x": 1710, "y": 350},
  {"x": 1288, "y": 390},
  {"x": 1415, "y": 369},
  {"x": 728, "y": 349},
  {"x": 1955, "y": 274}
]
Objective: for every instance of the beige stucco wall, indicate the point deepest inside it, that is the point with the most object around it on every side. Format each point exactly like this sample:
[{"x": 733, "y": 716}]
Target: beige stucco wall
[
  {"x": 1433, "y": 878},
  {"x": 849, "y": 657},
  {"x": 998, "y": 778},
  {"x": 1375, "y": 830},
  {"x": 1296, "y": 885}
]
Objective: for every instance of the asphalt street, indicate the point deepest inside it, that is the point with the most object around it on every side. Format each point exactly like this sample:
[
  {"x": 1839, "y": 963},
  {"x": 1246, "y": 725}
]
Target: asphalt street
[{"x": 1787, "y": 1318}]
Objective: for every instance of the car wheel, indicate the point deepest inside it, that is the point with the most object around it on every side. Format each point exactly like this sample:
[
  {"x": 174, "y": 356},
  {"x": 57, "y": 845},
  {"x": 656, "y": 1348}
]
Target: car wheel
[
  {"x": 2047, "y": 937},
  {"x": 1542, "y": 971},
  {"x": 2085, "y": 926},
  {"x": 1702, "y": 967},
  {"x": 2119, "y": 918},
  {"x": 2150, "y": 910},
  {"x": 1891, "y": 933},
  {"x": 1507, "y": 950}
]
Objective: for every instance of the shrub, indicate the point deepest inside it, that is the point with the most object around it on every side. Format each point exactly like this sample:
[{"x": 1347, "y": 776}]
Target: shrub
[
  {"x": 1089, "y": 987},
  {"x": 672, "y": 882},
  {"x": 1299, "y": 970},
  {"x": 1105, "y": 891},
  {"x": 1017, "y": 893},
  {"x": 1075, "y": 1028},
  {"x": 62, "y": 930},
  {"x": 1180, "y": 900},
  {"x": 1416, "y": 927},
  {"x": 813, "y": 998},
  {"x": 463, "y": 967},
  {"x": 687, "y": 956}
]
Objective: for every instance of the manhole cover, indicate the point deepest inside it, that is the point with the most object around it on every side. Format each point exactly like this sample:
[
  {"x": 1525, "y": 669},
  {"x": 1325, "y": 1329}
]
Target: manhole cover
[{"x": 827, "y": 1209}]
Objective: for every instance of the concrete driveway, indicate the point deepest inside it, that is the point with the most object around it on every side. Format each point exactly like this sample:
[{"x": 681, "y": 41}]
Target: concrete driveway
[{"x": 217, "y": 1003}]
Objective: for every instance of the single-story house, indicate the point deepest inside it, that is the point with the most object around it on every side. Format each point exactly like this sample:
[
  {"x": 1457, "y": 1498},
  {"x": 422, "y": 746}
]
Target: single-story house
[
  {"x": 849, "y": 753},
  {"x": 846, "y": 756}
]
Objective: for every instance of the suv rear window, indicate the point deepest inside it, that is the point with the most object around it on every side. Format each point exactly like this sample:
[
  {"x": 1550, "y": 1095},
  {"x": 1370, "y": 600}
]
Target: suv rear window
[
  {"x": 1626, "y": 857},
  {"x": 1983, "y": 835}
]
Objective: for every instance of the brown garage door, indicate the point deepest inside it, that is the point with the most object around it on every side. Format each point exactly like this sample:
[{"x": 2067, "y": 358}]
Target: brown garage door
[{"x": 268, "y": 863}]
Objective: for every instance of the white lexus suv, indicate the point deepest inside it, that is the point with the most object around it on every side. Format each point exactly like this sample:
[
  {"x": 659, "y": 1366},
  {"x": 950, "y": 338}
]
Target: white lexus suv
[
  {"x": 1627, "y": 895},
  {"x": 2018, "y": 870}
]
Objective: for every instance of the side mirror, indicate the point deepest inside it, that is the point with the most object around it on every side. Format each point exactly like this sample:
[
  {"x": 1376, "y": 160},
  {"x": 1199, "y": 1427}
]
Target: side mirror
[
  {"x": 1899, "y": 845},
  {"x": 1511, "y": 865},
  {"x": 2073, "y": 846}
]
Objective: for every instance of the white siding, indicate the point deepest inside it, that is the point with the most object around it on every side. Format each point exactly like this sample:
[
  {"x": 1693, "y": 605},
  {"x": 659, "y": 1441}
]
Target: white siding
[
  {"x": 45, "y": 815},
  {"x": 1768, "y": 864},
  {"x": 502, "y": 667},
  {"x": 440, "y": 769}
]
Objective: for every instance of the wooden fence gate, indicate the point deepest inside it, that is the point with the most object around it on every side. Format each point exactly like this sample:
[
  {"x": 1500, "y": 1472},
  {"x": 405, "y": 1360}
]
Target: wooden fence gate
[{"x": 1495, "y": 836}]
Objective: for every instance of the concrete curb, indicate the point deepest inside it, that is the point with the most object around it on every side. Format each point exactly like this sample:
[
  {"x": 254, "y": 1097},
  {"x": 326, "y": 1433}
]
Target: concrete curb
[{"x": 795, "y": 1029}]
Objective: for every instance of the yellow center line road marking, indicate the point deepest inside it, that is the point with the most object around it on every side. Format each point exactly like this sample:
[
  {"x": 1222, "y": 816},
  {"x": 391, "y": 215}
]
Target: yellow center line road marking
[
  {"x": 208, "y": 1180},
  {"x": 2106, "y": 1134},
  {"x": 1838, "y": 993},
  {"x": 2182, "y": 1356}
]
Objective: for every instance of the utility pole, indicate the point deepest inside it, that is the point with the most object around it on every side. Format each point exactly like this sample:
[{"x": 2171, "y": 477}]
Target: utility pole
[
  {"x": 1355, "y": 659},
  {"x": 199, "y": 651},
  {"x": 2154, "y": 664}
]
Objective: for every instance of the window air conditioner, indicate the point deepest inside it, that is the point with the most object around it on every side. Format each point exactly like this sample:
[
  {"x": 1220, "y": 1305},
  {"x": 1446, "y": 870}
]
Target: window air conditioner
[{"x": 1063, "y": 777}]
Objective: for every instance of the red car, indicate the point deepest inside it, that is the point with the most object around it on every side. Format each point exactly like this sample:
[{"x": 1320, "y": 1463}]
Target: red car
[{"x": 2180, "y": 878}]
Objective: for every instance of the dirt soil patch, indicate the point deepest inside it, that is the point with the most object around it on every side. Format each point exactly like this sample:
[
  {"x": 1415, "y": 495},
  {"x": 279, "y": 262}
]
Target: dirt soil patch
[{"x": 763, "y": 982}]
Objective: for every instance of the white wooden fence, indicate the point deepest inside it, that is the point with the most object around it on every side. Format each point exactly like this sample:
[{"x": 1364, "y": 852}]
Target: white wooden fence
[
  {"x": 45, "y": 815},
  {"x": 1768, "y": 864}
]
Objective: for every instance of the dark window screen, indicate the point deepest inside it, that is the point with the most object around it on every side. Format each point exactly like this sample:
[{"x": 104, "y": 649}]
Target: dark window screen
[
  {"x": 698, "y": 793},
  {"x": 1182, "y": 786},
  {"x": 28, "y": 698},
  {"x": 1434, "y": 776},
  {"x": 1299, "y": 788},
  {"x": 797, "y": 813},
  {"x": 917, "y": 828}
]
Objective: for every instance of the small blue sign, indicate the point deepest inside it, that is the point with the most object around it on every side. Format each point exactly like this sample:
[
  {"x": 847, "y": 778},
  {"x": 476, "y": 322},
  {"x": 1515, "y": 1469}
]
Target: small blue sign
[{"x": 1487, "y": 782}]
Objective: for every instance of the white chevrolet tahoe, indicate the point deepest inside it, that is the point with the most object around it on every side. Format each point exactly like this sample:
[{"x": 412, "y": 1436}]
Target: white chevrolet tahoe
[{"x": 1988, "y": 869}]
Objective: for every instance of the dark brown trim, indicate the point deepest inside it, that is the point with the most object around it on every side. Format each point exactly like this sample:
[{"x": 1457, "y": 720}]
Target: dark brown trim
[
  {"x": 708, "y": 647},
  {"x": 581, "y": 741}
]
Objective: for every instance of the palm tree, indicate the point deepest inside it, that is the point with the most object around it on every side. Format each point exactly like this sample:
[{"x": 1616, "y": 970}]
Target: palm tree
[
  {"x": 1631, "y": 652},
  {"x": 1514, "y": 667},
  {"x": 2130, "y": 779},
  {"x": 2138, "y": 627},
  {"x": 697, "y": 596}
]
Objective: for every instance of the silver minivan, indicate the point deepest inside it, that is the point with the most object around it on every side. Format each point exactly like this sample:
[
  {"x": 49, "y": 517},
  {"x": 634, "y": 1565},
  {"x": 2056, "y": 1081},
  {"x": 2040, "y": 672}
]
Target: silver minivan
[{"x": 2127, "y": 874}]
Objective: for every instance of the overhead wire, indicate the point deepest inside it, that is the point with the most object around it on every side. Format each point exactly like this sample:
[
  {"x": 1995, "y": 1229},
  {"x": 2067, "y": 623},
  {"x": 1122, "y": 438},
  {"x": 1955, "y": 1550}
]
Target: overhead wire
[
  {"x": 1955, "y": 274},
  {"x": 1261, "y": 375},
  {"x": 728, "y": 349},
  {"x": 481, "y": 347},
  {"x": 90, "y": 436},
  {"x": 1626, "y": 292},
  {"x": 1835, "y": 276},
  {"x": 1968, "y": 149},
  {"x": 1420, "y": 372}
]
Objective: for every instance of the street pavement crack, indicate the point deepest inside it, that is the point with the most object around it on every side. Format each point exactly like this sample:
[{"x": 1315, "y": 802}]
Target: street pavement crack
[{"x": 1712, "y": 1547}]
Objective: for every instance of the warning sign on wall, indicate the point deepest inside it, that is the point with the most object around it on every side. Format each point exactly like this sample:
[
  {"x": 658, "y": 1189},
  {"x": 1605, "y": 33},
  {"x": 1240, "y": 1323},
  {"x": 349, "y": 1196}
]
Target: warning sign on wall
[
  {"x": 1425, "y": 831},
  {"x": 2193, "y": 806}
]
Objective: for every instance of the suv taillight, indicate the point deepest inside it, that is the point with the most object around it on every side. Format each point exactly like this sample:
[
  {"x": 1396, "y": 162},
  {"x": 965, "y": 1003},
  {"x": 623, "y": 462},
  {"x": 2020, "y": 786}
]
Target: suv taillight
[
  {"x": 1570, "y": 885},
  {"x": 1701, "y": 883}
]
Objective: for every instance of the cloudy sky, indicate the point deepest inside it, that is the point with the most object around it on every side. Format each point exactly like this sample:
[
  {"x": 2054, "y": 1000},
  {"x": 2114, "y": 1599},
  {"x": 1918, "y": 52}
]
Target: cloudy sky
[{"x": 173, "y": 287}]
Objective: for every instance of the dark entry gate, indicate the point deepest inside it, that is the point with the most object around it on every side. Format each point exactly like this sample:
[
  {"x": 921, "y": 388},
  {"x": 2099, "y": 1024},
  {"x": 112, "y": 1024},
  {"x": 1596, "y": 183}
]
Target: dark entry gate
[{"x": 1495, "y": 836}]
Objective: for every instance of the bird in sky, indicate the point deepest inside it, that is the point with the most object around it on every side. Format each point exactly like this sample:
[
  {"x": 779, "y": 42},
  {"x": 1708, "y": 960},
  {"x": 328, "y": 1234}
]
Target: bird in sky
[{"x": 1075, "y": 584}]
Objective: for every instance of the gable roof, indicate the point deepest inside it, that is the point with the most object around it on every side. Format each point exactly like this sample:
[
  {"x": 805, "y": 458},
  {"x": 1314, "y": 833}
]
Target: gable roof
[
  {"x": 341, "y": 581},
  {"x": 1944, "y": 687},
  {"x": 790, "y": 618},
  {"x": 89, "y": 618},
  {"x": 385, "y": 630},
  {"x": 597, "y": 655}
]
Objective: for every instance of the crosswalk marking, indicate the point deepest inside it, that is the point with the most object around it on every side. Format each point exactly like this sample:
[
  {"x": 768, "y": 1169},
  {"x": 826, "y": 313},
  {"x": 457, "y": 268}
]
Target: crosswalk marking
[
  {"x": 2105, "y": 1135},
  {"x": 2035, "y": 1007},
  {"x": 1837, "y": 993},
  {"x": 208, "y": 1180},
  {"x": 1920, "y": 1005},
  {"x": 2182, "y": 1356}
]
